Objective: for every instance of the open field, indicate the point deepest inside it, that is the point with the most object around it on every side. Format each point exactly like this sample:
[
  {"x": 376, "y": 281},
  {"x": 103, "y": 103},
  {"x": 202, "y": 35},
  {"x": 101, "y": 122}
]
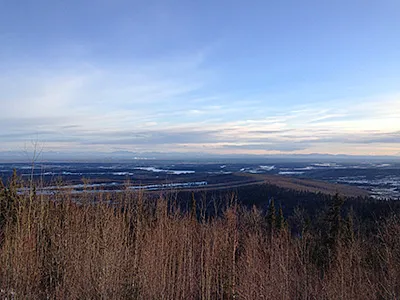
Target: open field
[{"x": 353, "y": 179}]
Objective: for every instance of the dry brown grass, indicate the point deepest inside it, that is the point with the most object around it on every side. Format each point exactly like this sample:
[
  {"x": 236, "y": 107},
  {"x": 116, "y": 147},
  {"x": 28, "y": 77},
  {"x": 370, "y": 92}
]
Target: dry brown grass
[{"x": 137, "y": 248}]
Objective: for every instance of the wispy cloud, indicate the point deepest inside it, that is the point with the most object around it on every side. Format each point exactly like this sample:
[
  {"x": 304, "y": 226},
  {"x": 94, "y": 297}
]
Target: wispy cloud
[{"x": 169, "y": 104}]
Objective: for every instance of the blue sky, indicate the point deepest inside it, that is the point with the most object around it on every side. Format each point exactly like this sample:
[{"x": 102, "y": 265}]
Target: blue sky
[{"x": 257, "y": 77}]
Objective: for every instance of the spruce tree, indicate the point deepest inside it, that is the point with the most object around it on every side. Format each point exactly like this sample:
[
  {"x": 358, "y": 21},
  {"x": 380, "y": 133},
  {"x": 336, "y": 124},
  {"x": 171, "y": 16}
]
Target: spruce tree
[
  {"x": 335, "y": 219},
  {"x": 271, "y": 217},
  {"x": 349, "y": 228},
  {"x": 280, "y": 220},
  {"x": 194, "y": 207}
]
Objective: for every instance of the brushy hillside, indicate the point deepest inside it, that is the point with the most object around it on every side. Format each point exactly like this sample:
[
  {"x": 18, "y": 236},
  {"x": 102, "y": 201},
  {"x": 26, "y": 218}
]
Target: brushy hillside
[{"x": 66, "y": 246}]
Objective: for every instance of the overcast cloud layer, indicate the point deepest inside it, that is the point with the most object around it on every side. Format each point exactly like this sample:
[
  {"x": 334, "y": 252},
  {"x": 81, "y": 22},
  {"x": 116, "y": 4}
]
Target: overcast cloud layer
[{"x": 169, "y": 86}]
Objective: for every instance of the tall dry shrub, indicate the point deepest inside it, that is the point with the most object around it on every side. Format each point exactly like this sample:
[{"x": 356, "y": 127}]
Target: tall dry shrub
[{"x": 129, "y": 246}]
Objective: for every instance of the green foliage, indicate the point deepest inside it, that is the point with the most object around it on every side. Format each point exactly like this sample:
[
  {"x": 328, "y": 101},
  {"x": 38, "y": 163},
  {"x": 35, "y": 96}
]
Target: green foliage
[
  {"x": 334, "y": 221},
  {"x": 330, "y": 234},
  {"x": 3, "y": 202},
  {"x": 271, "y": 215},
  {"x": 9, "y": 199},
  {"x": 194, "y": 207},
  {"x": 349, "y": 227},
  {"x": 280, "y": 220}
]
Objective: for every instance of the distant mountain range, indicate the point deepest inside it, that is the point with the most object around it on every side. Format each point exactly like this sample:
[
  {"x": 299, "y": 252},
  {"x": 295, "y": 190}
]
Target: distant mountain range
[{"x": 128, "y": 156}]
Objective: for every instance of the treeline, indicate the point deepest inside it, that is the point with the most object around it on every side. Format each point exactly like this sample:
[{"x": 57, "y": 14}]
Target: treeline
[
  {"x": 366, "y": 211},
  {"x": 131, "y": 246}
]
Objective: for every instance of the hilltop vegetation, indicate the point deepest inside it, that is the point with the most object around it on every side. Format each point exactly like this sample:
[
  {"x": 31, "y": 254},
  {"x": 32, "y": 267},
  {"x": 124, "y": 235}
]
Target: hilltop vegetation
[{"x": 133, "y": 245}]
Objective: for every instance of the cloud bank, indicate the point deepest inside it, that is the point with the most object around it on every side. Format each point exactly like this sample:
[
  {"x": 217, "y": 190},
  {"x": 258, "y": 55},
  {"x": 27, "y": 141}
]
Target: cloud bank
[{"x": 170, "y": 106}]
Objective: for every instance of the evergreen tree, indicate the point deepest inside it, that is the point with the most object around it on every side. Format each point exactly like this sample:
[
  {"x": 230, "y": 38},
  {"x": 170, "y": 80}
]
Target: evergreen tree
[
  {"x": 9, "y": 200},
  {"x": 280, "y": 220},
  {"x": 2, "y": 204},
  {"x": 349, "y": 227},
  {"x": 334, "y": 219},
  {"x": 271, "y": 215},
  {"x": 194, "y": 207}
]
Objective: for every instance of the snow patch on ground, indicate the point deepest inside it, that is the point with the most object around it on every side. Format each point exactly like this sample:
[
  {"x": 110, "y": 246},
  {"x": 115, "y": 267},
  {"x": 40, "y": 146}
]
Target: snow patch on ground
[
  {"x": 267, "y": 168},
  {"x": 290, "y": 173},
  {"x": 156, "y": 170}
]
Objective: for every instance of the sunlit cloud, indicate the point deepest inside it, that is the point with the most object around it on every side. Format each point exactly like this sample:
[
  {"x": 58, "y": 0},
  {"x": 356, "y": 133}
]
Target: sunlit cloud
[
  {"x": 168, "y": 106},
  {"x": 177, "y": 77}
]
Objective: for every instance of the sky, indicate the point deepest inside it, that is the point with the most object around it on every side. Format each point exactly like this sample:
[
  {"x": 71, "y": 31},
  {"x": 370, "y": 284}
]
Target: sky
[{"x": 218, "y": 77}]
